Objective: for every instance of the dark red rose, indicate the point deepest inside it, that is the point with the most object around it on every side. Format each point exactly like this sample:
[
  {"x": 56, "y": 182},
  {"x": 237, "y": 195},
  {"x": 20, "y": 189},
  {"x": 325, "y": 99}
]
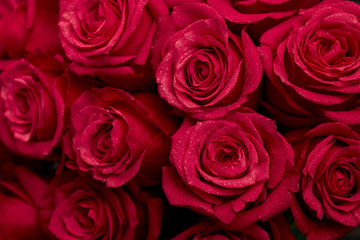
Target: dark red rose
[
  {"x": 237, "y": 169},
  {"x": 312, "y": 63},
  {"x": 110, "y": 39},
  {"x": 28, "y": 27},
  {"x": 82, "y": 208},
  {"x": 114, "y": 135},
  {"x": 32, "y": 106},
  {"x": 328, "y": 157},
  {"x": 276, "y": 228},
  {"x": 202, "y": 69},
  {"x": 20, "y": 197}
]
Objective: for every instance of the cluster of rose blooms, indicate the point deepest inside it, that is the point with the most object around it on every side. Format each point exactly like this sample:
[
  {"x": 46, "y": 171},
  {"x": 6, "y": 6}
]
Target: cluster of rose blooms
[{"x": 184, "y": 119}]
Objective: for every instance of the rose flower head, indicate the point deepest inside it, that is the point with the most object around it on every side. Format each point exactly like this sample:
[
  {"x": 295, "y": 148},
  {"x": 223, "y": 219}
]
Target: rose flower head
[
  {"x": 312, "y": 62},
  {"x": 32, "y": 106},
  {"x": 82, "y": 208},
  {"x": 110, "y": 39},
  {"x": 114, "y": 135},
  {"x": 202, "y": 69},
  {"x": 328, "y": 157},
  {"x": 237, "y": 169}
]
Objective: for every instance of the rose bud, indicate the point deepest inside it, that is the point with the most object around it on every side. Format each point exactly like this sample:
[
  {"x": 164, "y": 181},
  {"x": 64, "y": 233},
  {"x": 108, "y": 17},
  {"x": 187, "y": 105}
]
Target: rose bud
[
  {"x": 202, "y": 69},
  {"x": 114, "y": 136},
  {"x": 110, "y": 39},
  {"x": 312, "y": 64},
  {"x": 276, "y": 228},
  {"x": 28, "y": 27},
  {"x": 328, "y": 157},
  {"x": 32, "y": 106},
  {"x": 20, "y": 198},
  {"x": 237, "y": 169},
  {"x": 82, "y": 208}
]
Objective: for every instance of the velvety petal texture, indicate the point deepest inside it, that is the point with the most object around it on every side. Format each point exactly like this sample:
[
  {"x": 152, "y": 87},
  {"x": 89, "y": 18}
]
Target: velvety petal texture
[
  {"x": 179, "y": 119},
  {"x": 312, "y": 64},
  {"x": 110, "y": 39},
  {"x": 114, "y": 135},
  {"x": 82, "y": 208},
  {"x": 202, "y": 69},
  {"x": 32, "y": 106},
  {"x": 237, "y": 170},
  {"x": 328, "y": 156}
]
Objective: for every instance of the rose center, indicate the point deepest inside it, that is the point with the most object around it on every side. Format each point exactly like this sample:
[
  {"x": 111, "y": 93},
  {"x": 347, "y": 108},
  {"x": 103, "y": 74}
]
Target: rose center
[
  {"x": 21, "y": 103},
  {"x": 342, "y": 180},
  {"x": 199, "y": 71},
  {"x": 103, "y": 143},
  {"x": 227, "y": 155},
  {"x": 226, "y": 158},
  {"x": 84, "y": 217},
  {"x": 203, "y": 71},
  {"x": 330, "y": 48},
  {"x": 94, "y": 16},
  {"x": 80, "y": 222},
  {"x": 99, "y": 18}
]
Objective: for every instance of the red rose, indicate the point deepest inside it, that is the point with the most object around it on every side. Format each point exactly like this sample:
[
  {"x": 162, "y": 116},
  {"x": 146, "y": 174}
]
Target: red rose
[
  {"x": 328, "y": 203},
  {"x": 312, "y": 63},
  {"x": 114, "y": 135},
  {"x": 32, "y": 106},
  {"x": 237, "y": 169},
  {"x": 202, "y": 69},
  {"x": 28, "y": 27},
  {"x": 82, "y": 208},
  {"x": 110, "y": 39},
  {"x": 277, "y": 229},
  {"x": 20, "y": 197}
]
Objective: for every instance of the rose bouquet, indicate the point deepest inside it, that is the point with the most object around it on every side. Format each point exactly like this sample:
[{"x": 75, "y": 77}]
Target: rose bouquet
[{"x": 179, "y": 119}]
